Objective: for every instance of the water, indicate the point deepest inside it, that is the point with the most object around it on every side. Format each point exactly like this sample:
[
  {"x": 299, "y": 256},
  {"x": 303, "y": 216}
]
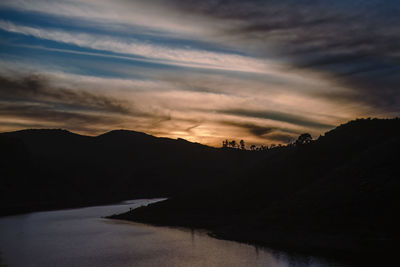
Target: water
[{"x": 81, "y": 237}]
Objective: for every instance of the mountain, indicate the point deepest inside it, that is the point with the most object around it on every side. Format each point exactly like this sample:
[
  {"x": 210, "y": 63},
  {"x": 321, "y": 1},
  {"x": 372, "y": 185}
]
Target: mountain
[
  {"x": 52, "y": 168},
  {"x": 339, "y": 194}
]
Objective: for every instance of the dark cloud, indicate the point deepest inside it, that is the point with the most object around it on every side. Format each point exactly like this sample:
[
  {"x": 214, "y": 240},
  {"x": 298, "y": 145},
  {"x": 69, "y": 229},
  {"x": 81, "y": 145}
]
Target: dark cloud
[
  {"x": 277, "y": 116},
  {"x": 254, "y": 129},
  {"x": 37, "y": 88},
  {"x": 281, "y": 137},
  {"x": 37, "y": 114},
  {"x": 264, "y": 132},
  {"x": 355, "y": 43},
  {"x": 190, "y": 128}
]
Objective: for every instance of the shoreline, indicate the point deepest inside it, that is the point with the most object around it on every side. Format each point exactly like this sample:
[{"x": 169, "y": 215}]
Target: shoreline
[
  {"x": 25, "y": 209},
  {"x": 356, "y": 252},
  {"x": 19, "y": 210}
]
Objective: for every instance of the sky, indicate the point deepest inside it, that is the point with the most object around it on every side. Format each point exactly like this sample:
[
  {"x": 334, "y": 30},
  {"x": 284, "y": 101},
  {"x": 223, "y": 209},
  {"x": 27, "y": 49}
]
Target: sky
[{"x": 206, "y": 71}]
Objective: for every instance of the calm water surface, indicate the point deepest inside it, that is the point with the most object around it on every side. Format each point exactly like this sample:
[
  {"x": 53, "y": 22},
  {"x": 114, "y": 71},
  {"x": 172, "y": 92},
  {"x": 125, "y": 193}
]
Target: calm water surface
[{"x": 81, "y": 237}]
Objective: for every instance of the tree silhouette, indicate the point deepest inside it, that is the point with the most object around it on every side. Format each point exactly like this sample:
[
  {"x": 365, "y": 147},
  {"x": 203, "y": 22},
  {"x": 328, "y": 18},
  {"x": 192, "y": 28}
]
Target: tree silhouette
[
  {"x": 225, "y": 143},
  {"x": 233, "y": 143},
  {"x": 303, "y": 139},
  {"x": 272, "y": 146},
  {"x": 242, "y": 145}
]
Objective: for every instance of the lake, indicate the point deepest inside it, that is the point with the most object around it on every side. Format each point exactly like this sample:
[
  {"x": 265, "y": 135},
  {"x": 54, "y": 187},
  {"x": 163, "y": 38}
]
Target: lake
[{"x": 81, "y": 237}]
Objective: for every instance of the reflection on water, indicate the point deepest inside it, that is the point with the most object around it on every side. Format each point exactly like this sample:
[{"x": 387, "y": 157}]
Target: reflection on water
[{"x": 80, "y": 237}]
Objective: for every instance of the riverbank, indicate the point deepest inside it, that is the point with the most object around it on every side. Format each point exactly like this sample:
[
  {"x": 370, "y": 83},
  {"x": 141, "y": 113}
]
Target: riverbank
[
  {"x": 10, "y": 209},
  {"x": 353, "y": 250}
]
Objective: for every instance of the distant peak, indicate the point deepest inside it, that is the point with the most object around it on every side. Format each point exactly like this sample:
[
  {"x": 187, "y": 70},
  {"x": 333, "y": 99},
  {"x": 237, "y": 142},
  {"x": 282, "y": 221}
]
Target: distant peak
[
  {"x": 43, "y": 131},
  {"x": 122, "y": 132}
]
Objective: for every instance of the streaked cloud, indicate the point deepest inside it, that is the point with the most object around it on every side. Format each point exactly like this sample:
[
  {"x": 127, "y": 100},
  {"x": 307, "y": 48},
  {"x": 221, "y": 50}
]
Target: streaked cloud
[
  {"x": 354, "y": 44},
  {"x": 185, "y": 57},
  {"x": 277, "y": 116},
  {"x": 37, "y": 88}
]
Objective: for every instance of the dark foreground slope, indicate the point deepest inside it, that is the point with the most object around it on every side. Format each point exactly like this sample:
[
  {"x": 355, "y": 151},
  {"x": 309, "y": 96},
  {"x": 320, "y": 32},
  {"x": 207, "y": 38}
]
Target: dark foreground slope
[
  {"x": 338, "y": 195},
  {"x": 47, "y": 169}
]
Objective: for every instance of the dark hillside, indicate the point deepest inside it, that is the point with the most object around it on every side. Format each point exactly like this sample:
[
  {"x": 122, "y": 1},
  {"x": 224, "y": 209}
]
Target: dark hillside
[
  {"x": 339, "y": 194},
  {"x": 55, "y": 168}
]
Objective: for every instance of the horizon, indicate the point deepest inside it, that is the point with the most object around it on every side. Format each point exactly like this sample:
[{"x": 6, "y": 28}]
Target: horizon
[
  {"x": 220, "y": 145},
  {"x": 261, "y": 71},
  {"x": 130, "y": 130}
]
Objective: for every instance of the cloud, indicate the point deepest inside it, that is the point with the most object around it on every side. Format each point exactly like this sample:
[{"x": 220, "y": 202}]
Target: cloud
[
  {"x": 262, "y": 133},
  {"x": 281, "y": 138},
  {"x": 38, "y": 88},
  {"x": 34, "y": 115},
  {"x": 277, "y": 116},
  {"x": 151, "y": 17},
  {"x": 355, "y": 44},
  {"x": 253, "y": 129},
  {"x": 160, "y": 53}
]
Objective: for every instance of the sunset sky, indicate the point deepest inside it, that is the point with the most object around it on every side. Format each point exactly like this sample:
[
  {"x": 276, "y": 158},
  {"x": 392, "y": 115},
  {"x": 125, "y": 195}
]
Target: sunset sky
[{"x": 262, "y": 71}]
